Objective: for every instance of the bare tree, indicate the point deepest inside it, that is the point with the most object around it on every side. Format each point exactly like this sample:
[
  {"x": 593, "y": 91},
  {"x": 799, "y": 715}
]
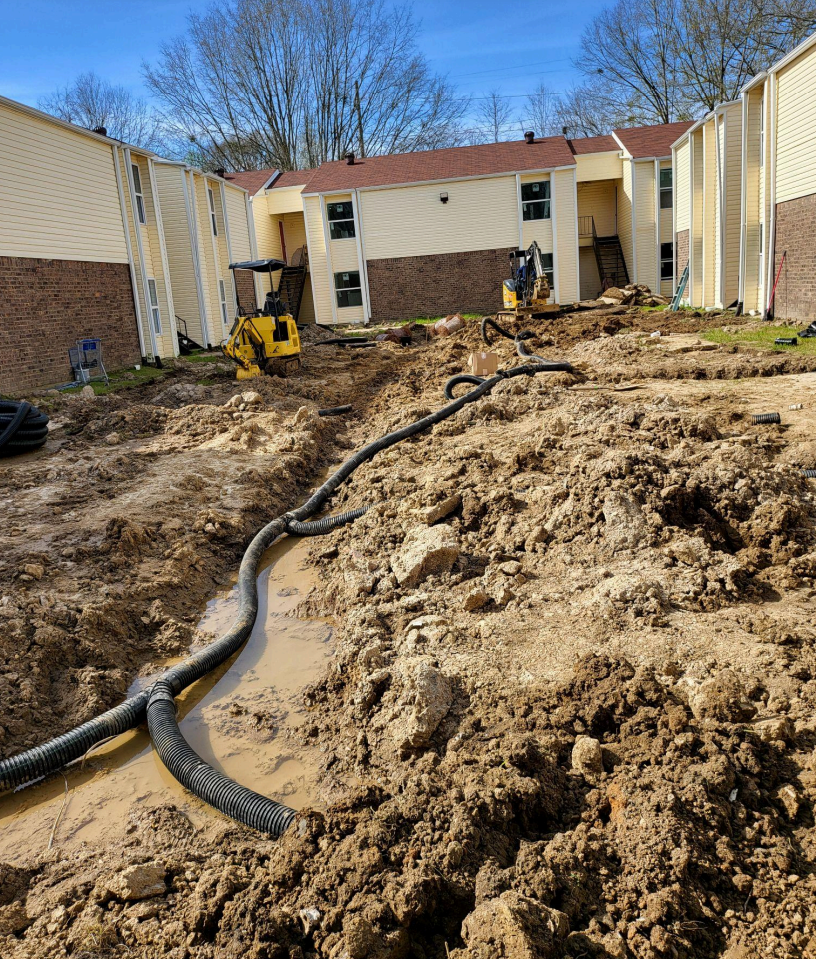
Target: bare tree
[
  {"x": 492, "y": 113},
  {"x": 542, "y": 108},
  {"x": 92, "y": 102},
  {"x": 289, "y": 83},
  {"x": 655, "y": 61}
]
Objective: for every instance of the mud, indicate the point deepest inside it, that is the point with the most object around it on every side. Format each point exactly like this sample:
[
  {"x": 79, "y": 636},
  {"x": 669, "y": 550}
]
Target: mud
[{"x": 571, "y": 706}]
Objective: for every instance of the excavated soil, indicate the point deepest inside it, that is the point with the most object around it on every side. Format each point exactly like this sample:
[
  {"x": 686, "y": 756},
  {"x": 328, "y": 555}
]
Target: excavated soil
[{"x": 571, "y": 706}]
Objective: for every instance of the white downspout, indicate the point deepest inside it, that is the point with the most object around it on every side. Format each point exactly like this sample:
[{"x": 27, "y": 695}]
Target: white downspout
[
  {"x": 216, "y": 256},
  {"x": 719, "y": 298},
  {"x": 743, "y": 201},
  {"x": 633, "y": 168},
  {"x": 554, "y": 218},
  {"x": 674, "y": 219},
  {"x": 129, "y": 247},
  {"x": 168, "y": 286},
  {"x": 358, "y": 231},
  {"x": 704, "y": 224},
  {"x": 520, "y": 211},
  {"x": 225, "y": 216},
  {"x": 577, "y": 241},
  {"x": 140, "y": 248},
  {"x": 658, "y": 282}
]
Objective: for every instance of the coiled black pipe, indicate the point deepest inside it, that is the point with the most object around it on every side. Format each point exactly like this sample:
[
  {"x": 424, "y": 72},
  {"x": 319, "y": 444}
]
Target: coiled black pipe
[
  {"x": 461, "y": 378},
  {"x": 757, "y": 418},
  {"x": 320, "y": 526},
  {"x": 156, "y": 701},
  {"x": 342, "y": 341},
  {"x": 23, "y": 427},
  {"x": 489, "y": 321},
  {"x": 335, "y": 410},
  {"x": 809, "y": 474}
]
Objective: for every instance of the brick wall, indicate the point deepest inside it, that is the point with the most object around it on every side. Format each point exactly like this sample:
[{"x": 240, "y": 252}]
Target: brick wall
[
  {"x": 402, "y": 288},
  {"x": 47, "y": 305},
  {"x": 682, "y": 252},
  {"x": 245, "y": 287},
  {"x": 795, "y": 228}
]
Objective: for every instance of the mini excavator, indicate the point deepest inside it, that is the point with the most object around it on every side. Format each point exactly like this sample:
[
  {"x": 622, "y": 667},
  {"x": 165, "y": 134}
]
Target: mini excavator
[
  {"x": 264, "y": 340},
  {"x": 527, "y": 292}
]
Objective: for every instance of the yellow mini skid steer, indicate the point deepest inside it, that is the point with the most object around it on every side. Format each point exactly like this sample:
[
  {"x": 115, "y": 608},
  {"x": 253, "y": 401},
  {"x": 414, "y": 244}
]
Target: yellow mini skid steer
[{"x": 265, "y": 340}]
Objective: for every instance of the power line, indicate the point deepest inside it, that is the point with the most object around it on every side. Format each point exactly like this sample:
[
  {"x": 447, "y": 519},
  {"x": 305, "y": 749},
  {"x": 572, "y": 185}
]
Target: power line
[{"x": 478, "y": 73}]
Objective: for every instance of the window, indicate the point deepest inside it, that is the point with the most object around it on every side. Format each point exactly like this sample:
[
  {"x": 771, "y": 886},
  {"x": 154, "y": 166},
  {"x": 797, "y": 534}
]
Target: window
[
  {"x": 211, "y": 201},
  {"x": 347, "y": 286},
  {"x": 666, "y": 189},
  {"x": 547, "y": 261},
  {"x": 155, "y": 312},
  {"x": 535, "y": 200},
  {"x": 224, "y": 314},
  {"x": 666, "y": 261},
  {"x": 137, "y": 189},
  {"x": 341, "y": 221}
]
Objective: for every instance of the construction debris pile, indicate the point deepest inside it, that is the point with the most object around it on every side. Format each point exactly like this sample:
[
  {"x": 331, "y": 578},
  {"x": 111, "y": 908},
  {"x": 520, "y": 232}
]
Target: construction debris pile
[{"x": 633, "y": 294}]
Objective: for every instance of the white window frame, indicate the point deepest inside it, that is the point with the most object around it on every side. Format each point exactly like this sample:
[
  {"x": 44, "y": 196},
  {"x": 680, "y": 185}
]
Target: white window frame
[
  {"x": 549, "y": 271},
  {"x": 155, "y": 311},
  {"x": 137, "y": 190},
  {"x": 667, "y": 259},
  {"x": 666, "y": 189},
  {"x": 545, "y": 200},
  {"x": 347, "y": 222},
  {"x": 348, "y": 289},
  {"x": 213, "y": 218},
  {"x": 222, "y": 292}
]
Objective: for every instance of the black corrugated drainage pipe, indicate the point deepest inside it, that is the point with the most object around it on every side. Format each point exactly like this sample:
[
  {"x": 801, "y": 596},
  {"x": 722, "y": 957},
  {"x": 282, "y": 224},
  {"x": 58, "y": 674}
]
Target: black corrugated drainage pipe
[{"x": 157, "y": 702}]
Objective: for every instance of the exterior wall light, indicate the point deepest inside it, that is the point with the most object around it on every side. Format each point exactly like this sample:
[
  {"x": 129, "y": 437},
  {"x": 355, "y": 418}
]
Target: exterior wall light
[{"x": 443, "y": 197}]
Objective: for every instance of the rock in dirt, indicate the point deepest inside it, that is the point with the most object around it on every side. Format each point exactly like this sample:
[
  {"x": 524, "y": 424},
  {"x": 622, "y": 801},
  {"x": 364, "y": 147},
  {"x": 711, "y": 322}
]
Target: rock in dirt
[
  {"x": 625, "y": 524},
  {"x": 722, "y": 697},
  {"x": 13, "y": 919},
  {"x": 435, "y": 513},
  {"x": 587, "y": 757},
  {"x": 428, "y": 696},
  {"x": 513, "y": 926},
  {"x": 138, "y": 882},
  {"x": 426, "y": 550}
]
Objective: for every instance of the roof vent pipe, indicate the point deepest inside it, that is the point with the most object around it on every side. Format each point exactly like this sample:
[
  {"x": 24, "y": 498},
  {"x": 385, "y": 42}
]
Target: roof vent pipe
[
  {"x": 529, "y": 137},
  {"x": 350, "y": 159},
  {"x": 220, "y": 172},
  {"x": 102, "y": 131}
]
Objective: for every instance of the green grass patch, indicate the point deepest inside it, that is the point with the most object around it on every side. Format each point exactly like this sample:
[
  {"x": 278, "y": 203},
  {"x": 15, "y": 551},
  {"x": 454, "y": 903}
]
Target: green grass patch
[
  {"x": 763, "y": 337},
  {"x": 122, "y": 380},
  {"x": 205, "y": 381}
]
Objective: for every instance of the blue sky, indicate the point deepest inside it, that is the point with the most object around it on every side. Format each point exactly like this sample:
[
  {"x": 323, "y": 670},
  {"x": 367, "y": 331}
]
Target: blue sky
[{"x": 480, "y": 44}]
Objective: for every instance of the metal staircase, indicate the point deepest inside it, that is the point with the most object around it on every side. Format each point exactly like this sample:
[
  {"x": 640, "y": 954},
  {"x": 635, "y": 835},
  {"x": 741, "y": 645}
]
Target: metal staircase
[
  {"x": 290, "y": 289},
  {"x": 608, "y": 253}
]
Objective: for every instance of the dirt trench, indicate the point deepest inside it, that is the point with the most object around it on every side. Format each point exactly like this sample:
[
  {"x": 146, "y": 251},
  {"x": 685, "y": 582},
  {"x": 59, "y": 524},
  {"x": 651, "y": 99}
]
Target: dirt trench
[{"x": 572, "y": 696}]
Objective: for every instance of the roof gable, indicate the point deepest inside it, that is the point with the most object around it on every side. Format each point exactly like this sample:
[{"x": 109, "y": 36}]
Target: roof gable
[{"x": 652, "y": 141}]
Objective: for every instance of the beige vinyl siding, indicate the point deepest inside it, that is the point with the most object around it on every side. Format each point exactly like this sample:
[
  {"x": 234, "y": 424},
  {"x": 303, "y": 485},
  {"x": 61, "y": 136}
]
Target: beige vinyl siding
[
  {"x": 318, "y": 261},
  {"x": 224, "y": 272},
  {"x": 590, "y": 280},
  {"x": 284, "y": 200},
  {"x": 709, "y": 214},
  {"x": 241, "y": 249},
  {"x": 210, "y": 267},
  {"x": 644, "y": 187},
  {"x": 566, "y": 235},
  {"x": 696, "y": 237},
  {"x": 177, "y": 238},
  {"x": 599, "y": 200},
  {"x": 132, "y": 222},
  {"x": 539, "y": 230},
  {"x": 753, "y": 200},
  {"x": 599, "y": 166},
  {"x": 796, "y": 128},
  {"x": 481, "y": 214},
  {"x": 666, "y": 231},
  {"x": 682, "y": 186},
  {"x": 151, "y": 242},
  {"x": 294, "y": 229},
  {"x": 732, "y": 201},
  {"x": 58, "y": 194},
  {"x": 267, "y": 237},
  {"x": 625, "y": 217}
]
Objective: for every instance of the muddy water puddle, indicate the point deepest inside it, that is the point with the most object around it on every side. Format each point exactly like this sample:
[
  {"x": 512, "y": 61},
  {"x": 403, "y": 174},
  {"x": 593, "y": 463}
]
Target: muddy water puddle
[{"x": 242, "y": 719}]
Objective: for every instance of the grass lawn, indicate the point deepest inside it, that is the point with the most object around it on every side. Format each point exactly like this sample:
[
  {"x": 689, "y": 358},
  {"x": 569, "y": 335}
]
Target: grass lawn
[
  {"x": 763, "y": 337},
  {"x": 122, "y": 380}
]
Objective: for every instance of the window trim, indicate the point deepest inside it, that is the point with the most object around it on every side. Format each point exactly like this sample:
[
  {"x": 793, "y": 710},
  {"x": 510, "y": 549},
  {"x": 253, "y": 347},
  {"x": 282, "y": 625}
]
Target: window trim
[
  {"x": 666, "y": 189},
  {"x": 667, "y": 260},
  {"x": 222, "y": 292},
  {"x": 338, "y": 289},
  {"x": 545, "y": 200},
  {"x": 346, "y": 220},
  {"x": 141, "y": 212},
  {"x": 211, "y": 204},
  {"x": 549, "y": 271},
  {"x": 155, "y": 309}
]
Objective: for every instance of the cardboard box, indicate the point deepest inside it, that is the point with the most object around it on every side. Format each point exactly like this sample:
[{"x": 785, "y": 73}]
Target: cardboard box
[{"x": 484, "y": 364}]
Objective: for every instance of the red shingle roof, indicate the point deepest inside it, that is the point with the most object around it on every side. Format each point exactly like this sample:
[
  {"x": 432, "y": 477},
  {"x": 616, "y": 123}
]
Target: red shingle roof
[
  {"x": 449, "y": 163},
  {"x": 251, "y": 180},
  {"x": 653, "y": 141},
  {"x": 292, "y": 178},
  {"x": 584, "y": 145}
]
